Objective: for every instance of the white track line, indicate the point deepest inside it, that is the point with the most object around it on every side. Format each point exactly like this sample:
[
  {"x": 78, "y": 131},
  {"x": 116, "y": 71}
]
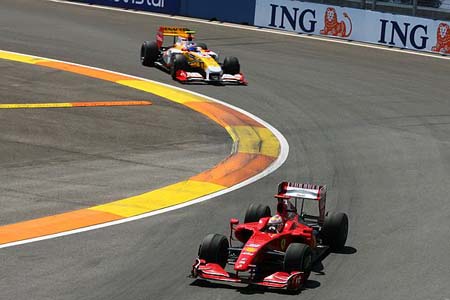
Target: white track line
[
  {"x": 260, "y": 29},
  {"x": 284, "y": 150}
]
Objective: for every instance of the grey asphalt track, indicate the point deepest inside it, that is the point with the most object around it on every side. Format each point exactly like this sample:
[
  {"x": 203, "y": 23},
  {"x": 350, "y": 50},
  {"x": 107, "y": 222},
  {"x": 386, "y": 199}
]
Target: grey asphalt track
[{"x": 372, "y": 125}]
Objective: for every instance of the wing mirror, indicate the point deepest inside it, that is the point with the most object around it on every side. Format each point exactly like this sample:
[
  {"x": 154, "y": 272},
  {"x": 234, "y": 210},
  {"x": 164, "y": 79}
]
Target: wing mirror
[{"x": 234, "y": 221}]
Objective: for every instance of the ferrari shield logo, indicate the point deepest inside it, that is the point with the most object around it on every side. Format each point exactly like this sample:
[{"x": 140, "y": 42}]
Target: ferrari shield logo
[{"x": 283, "y": 244}]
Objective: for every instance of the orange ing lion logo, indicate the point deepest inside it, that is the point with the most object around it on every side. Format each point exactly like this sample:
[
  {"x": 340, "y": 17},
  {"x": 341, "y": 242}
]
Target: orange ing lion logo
[
  {"x": 442, "y": 39},
  {"x": 333, "y": 27}
]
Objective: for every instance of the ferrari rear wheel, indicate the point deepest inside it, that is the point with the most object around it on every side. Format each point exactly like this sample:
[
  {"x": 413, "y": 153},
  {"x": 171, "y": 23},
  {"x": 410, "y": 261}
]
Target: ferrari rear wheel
[
  {"x": 255, "y": 212},
  {"x": 214, "y": 249},
  {"x": 231, "y": 65},
  {"x": 335, "y": 230},
  {"x": 149, "y": 53},
  {"x": 298, "y": 257},
  {"x": 179, "y": 62}
]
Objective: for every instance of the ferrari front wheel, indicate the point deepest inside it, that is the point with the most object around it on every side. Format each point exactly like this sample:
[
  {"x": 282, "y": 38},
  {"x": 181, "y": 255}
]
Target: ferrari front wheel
[
  {"x": 298, "y": 257},
  {"x": 214, "y": 249}
]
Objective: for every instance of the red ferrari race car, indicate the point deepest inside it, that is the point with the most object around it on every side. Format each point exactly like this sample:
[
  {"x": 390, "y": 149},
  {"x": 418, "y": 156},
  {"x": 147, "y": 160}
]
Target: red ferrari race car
[
  {"x": 188, "y": 61},
  {"x": 276, "y": 251}
]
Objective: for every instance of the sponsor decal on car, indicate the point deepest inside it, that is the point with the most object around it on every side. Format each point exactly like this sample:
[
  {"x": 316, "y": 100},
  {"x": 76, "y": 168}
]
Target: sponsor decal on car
[
  {"x": 283, "y": 244},
  {"x": 250, "y": 249}
]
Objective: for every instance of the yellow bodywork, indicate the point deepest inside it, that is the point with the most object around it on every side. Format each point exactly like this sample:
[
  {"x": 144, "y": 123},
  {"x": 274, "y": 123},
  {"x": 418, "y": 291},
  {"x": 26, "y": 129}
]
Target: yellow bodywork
[
  {"x": 200, "y": 60},
  {"x": 196, "y": 59},
  {"x": 175, "y": 31}
]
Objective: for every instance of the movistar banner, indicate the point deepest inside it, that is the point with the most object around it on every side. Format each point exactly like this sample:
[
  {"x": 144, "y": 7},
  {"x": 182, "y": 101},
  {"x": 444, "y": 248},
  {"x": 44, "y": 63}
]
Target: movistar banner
[
  {"x": 160, "y": 6},
  {"x": 235, "y": 11}
]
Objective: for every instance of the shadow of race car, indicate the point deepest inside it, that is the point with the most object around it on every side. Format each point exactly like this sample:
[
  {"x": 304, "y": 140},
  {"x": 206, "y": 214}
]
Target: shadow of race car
[
  {"x": 275, "y": 251},
  {"x": 187, "y": 61}
]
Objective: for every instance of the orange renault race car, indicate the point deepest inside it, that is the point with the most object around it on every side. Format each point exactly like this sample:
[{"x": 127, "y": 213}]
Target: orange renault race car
[
  {"x": 276, "y": 251},
  {"x": 188, "y": 61}
]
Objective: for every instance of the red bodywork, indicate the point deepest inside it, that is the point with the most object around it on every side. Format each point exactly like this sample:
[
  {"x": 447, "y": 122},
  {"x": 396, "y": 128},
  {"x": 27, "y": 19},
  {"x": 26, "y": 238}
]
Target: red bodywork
[
  {"x": 277, "y": 251},
  {"x": 260, "y": 246},
  {"x": 254, "y": 253},
  {"x": 293, "y": 231},
  {"x": 280, "y": 280}
]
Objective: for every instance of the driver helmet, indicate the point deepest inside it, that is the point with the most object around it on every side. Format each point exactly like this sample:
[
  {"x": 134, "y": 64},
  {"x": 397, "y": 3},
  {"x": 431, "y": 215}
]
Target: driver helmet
[
  {"x": 275, "y": 224},
  {"x": 192, "y": 47}
]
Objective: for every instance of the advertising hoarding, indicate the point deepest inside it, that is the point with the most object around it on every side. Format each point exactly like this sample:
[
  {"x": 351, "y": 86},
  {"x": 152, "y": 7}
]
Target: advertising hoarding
[{"x": 354, "y": 24}]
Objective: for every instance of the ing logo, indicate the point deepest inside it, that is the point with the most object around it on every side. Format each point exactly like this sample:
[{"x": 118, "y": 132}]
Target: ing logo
[
  {"x": 333, "y": 27},
  {"x": 442, "y": 39}
]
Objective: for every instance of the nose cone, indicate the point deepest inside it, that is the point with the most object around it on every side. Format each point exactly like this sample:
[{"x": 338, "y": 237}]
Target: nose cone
[
  {"x": 241, "y": 267},
  {"x": 214, "y": 69},
  {"x": 246, "y": 258},
  {"x": 243, "y": 262}
]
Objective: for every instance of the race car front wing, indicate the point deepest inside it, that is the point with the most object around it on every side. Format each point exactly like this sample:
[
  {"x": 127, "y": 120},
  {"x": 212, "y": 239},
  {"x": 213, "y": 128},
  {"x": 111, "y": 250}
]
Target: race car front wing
[
  {"x": 279, "y": 280},
  {"x": 184, "y": 76}
]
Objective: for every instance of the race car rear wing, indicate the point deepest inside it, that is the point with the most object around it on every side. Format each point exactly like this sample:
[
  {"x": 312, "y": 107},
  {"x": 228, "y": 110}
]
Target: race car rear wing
[
  {"x": 287, "y": 190},
  {"x": 172, "y": 31}
]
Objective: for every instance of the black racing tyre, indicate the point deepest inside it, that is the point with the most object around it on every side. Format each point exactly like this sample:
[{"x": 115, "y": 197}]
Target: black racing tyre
[
  {"x": 179, "y": 62},
  {"x": 298, "y": 257},
  {"x": 255, "y": 212},
  {"x": 214, "y": 249},
  {"x": 231, "y": 65},
  {"x": 202, "y": 45},
  {"x": 149, "y": 53},
  {"x": 335, "y": 230}
]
